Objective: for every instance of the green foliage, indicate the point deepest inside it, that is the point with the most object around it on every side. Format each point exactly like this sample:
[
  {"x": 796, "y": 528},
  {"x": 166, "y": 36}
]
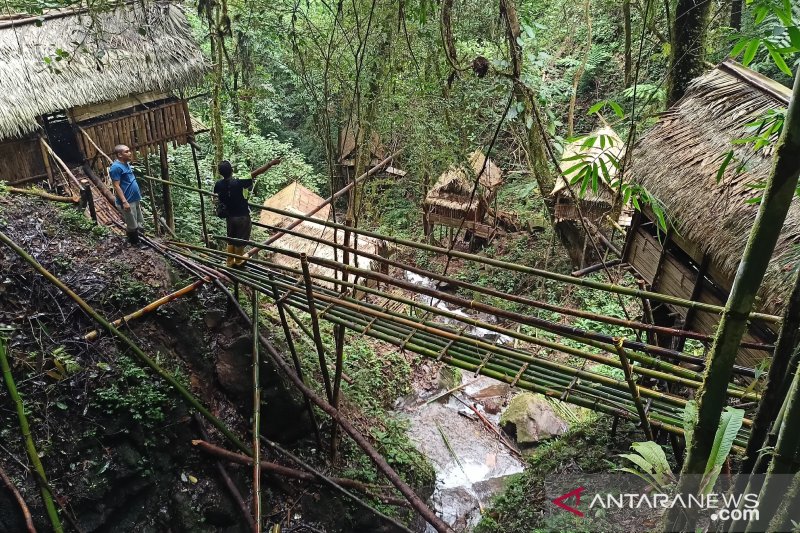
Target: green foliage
[
  {"x": 76, "y": 221},
  {"x": 650, "y": 462},
  {"x": 651, "y": 465},
  {"x": 133, "y": 392},
  {"x": 773, "y": 39}
]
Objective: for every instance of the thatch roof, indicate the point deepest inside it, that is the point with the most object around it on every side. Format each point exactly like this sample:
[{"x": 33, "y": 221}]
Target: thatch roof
[
  {"x": 134, "y": 48},
  {"x": 295, "y": 198},
  {"x": 315, "y": 249},
  {"x": 347, "y": 144},
  {"x": 610, "y": 149},
  {"x": 453, "y": 188},
  {"x": 678, "y": 160}
]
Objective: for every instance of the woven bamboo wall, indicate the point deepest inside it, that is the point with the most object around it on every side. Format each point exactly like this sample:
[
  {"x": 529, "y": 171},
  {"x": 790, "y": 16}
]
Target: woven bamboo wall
[
  {"x": 21, "y": 159},
  {"x": 143, "y": 131}
]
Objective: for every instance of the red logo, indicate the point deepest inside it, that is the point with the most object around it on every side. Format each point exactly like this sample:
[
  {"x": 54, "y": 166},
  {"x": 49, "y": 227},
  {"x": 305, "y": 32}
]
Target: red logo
[{"x": 566, "y": 496}]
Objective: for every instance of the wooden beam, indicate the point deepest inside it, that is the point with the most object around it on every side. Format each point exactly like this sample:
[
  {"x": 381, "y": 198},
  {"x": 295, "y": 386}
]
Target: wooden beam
[
  {"x": 661, "y": 257},
  {"x": 680, "y": 340}
]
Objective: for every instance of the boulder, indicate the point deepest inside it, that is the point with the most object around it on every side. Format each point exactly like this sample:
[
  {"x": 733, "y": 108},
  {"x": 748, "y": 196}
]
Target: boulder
[{"x": 530, "y": 419}]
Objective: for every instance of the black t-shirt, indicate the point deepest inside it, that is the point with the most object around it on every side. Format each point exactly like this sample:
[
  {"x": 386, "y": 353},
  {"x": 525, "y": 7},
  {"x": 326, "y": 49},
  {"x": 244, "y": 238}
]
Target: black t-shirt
[{"x": 231, "y": 194}]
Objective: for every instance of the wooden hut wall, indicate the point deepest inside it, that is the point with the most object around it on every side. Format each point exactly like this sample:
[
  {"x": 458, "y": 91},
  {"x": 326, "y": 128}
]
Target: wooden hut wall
[
  {"x": 21, "y": 159},
  {"x": 677, "y": 277},
  {"x": 142, "y": 130}
]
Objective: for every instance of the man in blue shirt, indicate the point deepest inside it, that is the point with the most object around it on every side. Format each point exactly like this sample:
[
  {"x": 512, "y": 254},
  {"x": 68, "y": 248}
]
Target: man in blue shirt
[{"x": 128, "y": 194}]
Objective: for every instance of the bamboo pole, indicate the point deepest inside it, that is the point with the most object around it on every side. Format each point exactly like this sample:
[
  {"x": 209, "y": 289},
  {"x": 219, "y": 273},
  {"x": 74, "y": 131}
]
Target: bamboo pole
[
  {"x": 202, "y": 197},
  {"x": 30, "y": 447},
  {"x": 328, "y": 481},
  {"x": 45, "y": 195},
  {"x": 62, "y": 164},
  {"x": 626, "y": 368},
  {"x": 782, "y": 459},
  {"x": 376, "y": 458},
  {"x": 232, "y": 488},
  {"x": 185, "y": 394},
  {"x": 312, "y": 311},
  {"x": 256, "y": 421},
  {"x": 152, "y": 306},
  {"x": 771, "y": 398},
  {"x": 166, "y": 191},
  {"x": 287, "y": 333},
  {"x": 338, "y": 335},
  {"x": 778, "y": 195}
]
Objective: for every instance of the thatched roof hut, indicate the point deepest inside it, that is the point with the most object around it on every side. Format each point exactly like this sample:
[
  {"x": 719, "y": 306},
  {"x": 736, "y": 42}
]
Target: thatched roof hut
[
  {"x": 294, "y": 198},
  {"x": 297, "y": 198},
  {"x": 678, "y": 160},
  {"x": 136, "y": 47},
  {"x": 450, "y": 195},
  {"x": 610, "y": 151}
]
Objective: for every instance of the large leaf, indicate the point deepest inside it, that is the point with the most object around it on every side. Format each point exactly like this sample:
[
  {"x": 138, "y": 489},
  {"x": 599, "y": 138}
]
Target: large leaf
[{"x": 730, "y": 423}]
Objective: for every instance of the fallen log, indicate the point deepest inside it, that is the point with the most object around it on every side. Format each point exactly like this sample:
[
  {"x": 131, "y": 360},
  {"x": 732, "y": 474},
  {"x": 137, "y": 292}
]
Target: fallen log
[
  {"x": 285, "y": 471},
  {"x": 45, "y": 195}
]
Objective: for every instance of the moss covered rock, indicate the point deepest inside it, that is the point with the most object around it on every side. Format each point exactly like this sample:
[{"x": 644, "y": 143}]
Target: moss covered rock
[{"x": 530, "y": 419}]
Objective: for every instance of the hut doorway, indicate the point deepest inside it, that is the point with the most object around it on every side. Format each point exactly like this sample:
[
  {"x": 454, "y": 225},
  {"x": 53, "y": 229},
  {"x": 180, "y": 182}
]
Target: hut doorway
[{"x": 60, "y": 135}]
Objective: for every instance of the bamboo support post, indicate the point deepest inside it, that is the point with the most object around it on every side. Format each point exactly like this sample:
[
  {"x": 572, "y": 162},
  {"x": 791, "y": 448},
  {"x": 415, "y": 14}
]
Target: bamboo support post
[
  {"x": 166, "y": 191},
  {"x": 338, "y": 335},
  {"x": 201, "y": 196},
  {"x": 92, "y": 335},
  {"x": 376, "y": 458},
  {"x": 312, "y": 311},
  {"x": 87, "y": 199},
  {"x": 287, "y": 333},
  {"x": 256, "y": 420},
  {"x": 30, "y": 447},
  {"x": 62, "y": 164},
  {"x": 46, "y": 160},
  {"x": 626, "y": 368}
]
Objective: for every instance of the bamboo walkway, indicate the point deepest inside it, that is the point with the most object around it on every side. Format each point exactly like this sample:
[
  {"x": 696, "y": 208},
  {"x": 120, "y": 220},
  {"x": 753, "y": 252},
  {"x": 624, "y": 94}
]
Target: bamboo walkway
[{"x": 521, "y": 368}]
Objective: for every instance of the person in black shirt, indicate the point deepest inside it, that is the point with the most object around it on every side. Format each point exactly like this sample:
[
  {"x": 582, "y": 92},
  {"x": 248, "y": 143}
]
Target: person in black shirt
[{"x": 230, "y": 192}]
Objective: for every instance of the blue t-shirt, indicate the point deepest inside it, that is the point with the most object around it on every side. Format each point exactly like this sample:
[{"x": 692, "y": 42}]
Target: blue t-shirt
[{"x": 123, "y": 173}]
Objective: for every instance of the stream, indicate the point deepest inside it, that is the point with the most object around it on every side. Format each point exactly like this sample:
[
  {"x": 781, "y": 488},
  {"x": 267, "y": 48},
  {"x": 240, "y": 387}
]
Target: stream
[{"x": 471, "y": 463}]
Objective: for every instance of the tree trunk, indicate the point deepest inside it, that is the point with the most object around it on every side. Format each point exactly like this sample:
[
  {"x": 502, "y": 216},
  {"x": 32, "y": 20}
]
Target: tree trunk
[
  {"x": 688, "y": 46},
  {"x": 536, "y": 149},
  {"x": 760, "y": 245},
  {"x": 166, "y": 190},
  {"x": 736, "y": 15},
  {"x": 626, "y": 17},
  {"x": 216, "y": 89},
  {"x": 576, "y": 79}
]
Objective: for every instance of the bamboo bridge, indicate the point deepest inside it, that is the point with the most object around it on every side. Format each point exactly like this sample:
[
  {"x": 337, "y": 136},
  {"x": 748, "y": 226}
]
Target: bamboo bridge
[{"x": 549, "y": 356}]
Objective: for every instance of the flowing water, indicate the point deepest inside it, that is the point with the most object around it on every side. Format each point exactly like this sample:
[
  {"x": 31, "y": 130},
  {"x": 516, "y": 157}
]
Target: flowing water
[{"x": 471, "y": 463}]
